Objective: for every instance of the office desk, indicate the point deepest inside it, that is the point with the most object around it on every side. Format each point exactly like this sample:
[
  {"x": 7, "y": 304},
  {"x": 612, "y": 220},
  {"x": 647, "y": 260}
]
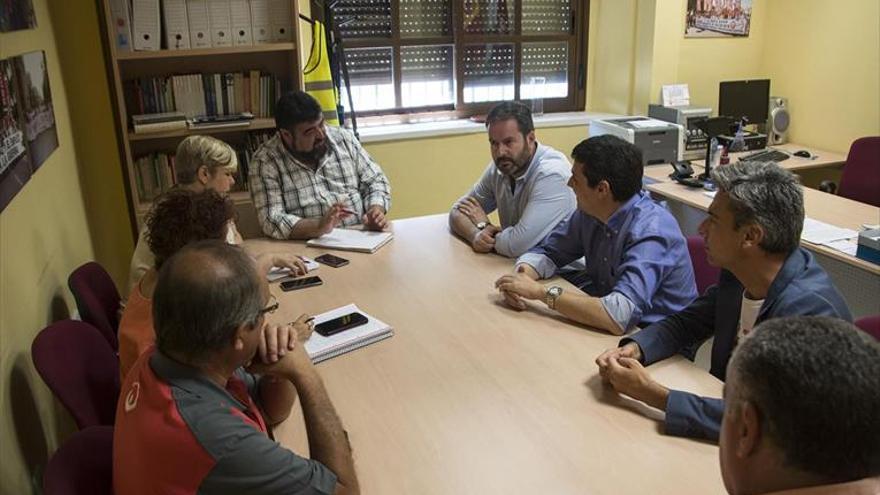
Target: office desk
[{"x": 470, "y": 397}]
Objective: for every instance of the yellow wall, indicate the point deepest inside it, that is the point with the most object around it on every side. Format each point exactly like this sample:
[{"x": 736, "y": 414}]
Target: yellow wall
[
  {"x": 44, "y": 234},
  {"x": 825, "y": 57}
]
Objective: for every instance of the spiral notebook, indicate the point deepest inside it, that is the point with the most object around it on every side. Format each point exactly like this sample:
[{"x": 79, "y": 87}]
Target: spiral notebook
[
  {"x": 321, "y": 348},
  {"x": 364, "y": 241}
]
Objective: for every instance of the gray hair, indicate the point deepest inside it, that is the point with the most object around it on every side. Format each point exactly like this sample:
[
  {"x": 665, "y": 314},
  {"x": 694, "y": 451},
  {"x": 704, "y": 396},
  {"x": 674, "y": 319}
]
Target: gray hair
[
  {"x": 814, "y": 381},
  {"x": 204, "y": 293},
  {"x": 767, "y": 195}
]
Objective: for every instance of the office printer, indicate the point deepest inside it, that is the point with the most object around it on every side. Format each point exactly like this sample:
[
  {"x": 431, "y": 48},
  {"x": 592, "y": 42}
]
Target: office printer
[{"x": 660, "y": 142}]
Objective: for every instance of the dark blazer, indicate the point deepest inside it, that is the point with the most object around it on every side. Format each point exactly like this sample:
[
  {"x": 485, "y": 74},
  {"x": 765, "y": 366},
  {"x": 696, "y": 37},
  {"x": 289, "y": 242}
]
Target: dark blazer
[{"x": 800, "y": 288}]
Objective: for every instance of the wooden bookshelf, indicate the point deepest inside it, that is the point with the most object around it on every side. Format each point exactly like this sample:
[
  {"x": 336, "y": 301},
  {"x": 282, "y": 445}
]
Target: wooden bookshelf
[{"x": 279, "y": 59}]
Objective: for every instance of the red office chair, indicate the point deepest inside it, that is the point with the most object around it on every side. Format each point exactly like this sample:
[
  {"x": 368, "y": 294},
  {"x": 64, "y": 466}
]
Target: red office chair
[
  {"x": 83, "y": 465},
  {"x": 870, "y": 324},
  {"x": 96, "y": 299},
  {"x": 705, "y": 274},
  {"x": 81, "y": 370},
  {"x": 861, "y": 174}
]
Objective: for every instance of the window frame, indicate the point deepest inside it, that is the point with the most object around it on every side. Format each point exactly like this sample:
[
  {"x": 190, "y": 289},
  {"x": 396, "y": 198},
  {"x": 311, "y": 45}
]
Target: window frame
[{"x": 577, "y": 68}]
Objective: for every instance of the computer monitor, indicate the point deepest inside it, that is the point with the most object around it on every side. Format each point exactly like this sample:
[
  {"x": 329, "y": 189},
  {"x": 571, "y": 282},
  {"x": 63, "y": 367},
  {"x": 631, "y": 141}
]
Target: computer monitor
[{"x": 749, "y": 99}]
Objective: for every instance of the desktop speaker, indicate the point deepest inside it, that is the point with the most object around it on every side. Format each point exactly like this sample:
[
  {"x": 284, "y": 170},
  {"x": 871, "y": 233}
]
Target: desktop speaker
[{"x": 778, "y": 120}]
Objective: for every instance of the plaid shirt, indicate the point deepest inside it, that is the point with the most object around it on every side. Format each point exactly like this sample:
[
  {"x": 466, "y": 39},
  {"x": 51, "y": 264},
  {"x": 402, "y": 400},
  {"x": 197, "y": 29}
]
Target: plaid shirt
[{"x": 285, "y": 190}]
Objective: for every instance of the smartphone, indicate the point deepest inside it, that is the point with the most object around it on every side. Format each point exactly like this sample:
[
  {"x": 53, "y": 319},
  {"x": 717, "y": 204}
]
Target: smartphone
[
  {"x": 336, "y": 325},
  {"x": 300, "y": 283},
  {"x": 330, "y": 260}
]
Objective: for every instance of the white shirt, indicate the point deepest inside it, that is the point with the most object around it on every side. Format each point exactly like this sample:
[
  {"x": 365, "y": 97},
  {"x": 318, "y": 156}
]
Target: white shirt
[{"x": 748, "y": 314}]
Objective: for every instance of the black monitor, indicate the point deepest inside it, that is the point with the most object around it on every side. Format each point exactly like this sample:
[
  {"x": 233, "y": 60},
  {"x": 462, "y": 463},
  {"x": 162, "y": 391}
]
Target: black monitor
[{"x": 749, "y": 99}]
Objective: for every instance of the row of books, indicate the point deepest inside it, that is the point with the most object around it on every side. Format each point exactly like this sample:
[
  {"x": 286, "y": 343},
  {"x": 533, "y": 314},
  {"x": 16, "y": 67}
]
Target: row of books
[
  {"x": 185, "y": 24},
  {"x": 155, "y": 173},
  {"x": 205, "y": 94}
]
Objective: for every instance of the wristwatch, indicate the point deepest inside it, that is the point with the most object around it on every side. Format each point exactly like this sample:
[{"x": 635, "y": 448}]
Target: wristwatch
[
  {"x": 553, "y": 293},
  {"x": 482, "y": 225}
]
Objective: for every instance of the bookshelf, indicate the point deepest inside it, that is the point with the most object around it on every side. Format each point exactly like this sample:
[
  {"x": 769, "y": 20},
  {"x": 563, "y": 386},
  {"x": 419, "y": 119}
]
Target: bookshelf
[{"x": 281, "y": 60}]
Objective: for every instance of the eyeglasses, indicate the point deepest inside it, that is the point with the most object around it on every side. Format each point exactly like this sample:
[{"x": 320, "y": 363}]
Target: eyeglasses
[{"x": 271, "y": 307}]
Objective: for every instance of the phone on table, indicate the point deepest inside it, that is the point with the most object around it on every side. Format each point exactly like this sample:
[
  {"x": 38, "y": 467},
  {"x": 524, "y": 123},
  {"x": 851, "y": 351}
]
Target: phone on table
[
  {"x": 331, "y": 260},
  {"x": 342, "y": 323},
  {"x": 300, "y": 283}
]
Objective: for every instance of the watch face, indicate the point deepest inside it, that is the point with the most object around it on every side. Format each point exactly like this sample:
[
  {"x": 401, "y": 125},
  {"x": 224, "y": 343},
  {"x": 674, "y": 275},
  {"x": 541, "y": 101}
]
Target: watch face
[{"x": 555, "y": 291}]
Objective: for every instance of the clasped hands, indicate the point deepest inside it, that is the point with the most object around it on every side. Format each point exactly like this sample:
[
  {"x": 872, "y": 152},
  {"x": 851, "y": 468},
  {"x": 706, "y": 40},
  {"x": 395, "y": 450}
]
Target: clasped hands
[
  {"x": 373, "y": 219},
  {"x": 278, "y": 341},
  {"x": 621, "y": 367}
]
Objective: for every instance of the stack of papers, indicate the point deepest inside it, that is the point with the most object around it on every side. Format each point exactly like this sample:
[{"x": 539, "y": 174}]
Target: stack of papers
[
  {"x": 363, "y": 241},
  {"x": 836, "y": 238},
  {"x": 321, "y": 348},
  {"x": 277, "y": 272}
]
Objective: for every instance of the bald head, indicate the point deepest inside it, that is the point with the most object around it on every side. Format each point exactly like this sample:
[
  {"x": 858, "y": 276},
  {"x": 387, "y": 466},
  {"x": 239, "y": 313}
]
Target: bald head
[{"x": 204, "y": 293}]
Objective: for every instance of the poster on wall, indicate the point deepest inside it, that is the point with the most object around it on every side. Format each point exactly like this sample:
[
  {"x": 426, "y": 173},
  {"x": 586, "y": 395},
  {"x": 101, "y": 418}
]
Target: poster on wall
[
  {"x": 16, "y": 15},
  {"x": 15, "y": 164},
  {"x": 27, "y": 121},
  {"x": 718, "y": 18},
  {"x": 37, "y": 114}
]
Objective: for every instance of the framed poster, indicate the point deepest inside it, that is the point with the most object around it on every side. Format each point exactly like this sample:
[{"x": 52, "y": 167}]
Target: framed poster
[
  {"x": 16, "y": 15},
  {"x": 717, "y": 18},
  {"x": 15, "y": 164},
  {"x": 37, "y": 113}
]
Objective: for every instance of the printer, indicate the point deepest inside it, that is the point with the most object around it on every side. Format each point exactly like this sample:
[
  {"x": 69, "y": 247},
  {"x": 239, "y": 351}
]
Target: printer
[
  {"x": 689, "y": 117},
  {"x": 660, "y": 142}
]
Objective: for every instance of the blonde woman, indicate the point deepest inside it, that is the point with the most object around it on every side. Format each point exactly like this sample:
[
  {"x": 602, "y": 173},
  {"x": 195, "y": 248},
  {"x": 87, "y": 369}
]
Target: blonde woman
[{"x": 206, "y": 163}]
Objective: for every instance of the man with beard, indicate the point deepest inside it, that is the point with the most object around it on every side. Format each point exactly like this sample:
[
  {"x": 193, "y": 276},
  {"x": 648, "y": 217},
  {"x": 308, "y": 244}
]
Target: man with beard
[
  {"x": 526, "y": 183},
  {"x": 311, "y": 178},
  {"x": 638, "y": 270}
]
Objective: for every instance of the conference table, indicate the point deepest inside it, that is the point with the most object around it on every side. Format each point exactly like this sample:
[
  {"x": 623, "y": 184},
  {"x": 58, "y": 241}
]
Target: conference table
[{"x": 471, "y": 397}]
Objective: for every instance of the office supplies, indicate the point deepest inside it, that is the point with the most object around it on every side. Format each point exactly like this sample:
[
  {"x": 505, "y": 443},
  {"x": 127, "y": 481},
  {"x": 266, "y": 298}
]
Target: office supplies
[
  {"x": 363, "y": 241},
  {"x": 321, "y": 348},
  {"x": 279, "y": 20},
  {"x": 240, "y": 15},
  {"x": 146, "y": 21},
  {"x": 176, "y": 24},
  {"x": 869, "y": 246},
  {"x": 277, "y": 273},
  {"x": 658, "y": 140},
  {"x": 260, "y": 24},
  {"x": 120, "y": 14},
  {"x": 221, "y": 23},
  {"x": 158, "y": 122},
  {"x": 199, "y": 23},
  {"x": 694, "y": 146},
  {"x": 768, "y": 155},
  {"x": 818, "y": 232}
]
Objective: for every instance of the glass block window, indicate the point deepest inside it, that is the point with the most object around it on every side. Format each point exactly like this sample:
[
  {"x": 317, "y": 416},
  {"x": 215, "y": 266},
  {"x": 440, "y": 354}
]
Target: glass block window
[
  {"x": 419, "y": 18},
  {"x": 372, "y": 18},
  {"x": 544, "y": 70},
  {"x": 546, "y": 16},
  {"x": 427, "y": 76},
  {"x": 372, "y": 78},
  {"x": 488, "y": 72}
]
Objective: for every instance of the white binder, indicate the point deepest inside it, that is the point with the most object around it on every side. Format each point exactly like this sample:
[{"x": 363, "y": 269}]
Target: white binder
[
  {"x": 176, "y": 24},
  {"x": 260, "y": 28},
  {"x": 119, "y": 11},
  {"x": 221, "y": 24},
  {"x": 146, "y": 21},
  {"x": 199, "y": 25},
  {"x": 240, "y": 13},
  {"x": 279, "y": 19}
]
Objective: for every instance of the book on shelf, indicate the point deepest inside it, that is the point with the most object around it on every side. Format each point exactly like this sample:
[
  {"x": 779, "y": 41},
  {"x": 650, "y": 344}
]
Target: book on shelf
[
  {"x": 204, "y": 94},
  {"x": 158, "y": 122},
  {"x": 188, "y": 24}
]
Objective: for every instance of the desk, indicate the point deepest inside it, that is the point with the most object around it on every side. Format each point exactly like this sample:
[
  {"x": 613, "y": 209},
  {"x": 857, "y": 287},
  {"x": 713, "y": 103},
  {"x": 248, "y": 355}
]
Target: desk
[
  {"x": 470, "y": 397},
  {"x": 858, "y": 280}
]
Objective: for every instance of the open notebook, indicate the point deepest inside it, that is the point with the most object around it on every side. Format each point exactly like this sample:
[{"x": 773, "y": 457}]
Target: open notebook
[
  {"x": 321, "y": 348},
  {"x": 364, "y": 241}
]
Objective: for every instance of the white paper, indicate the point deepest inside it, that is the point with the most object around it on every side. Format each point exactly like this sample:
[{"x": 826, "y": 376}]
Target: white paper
[
  {"x": 847, "y": 246},
  {"x": 278, "y": 272},
  {"x": 352, "y": 240},
  {"x": 711, "y": 194},
  {"x": 818, "y": 232},
  {"x": 648, "y": 124},
  {"x": 320, "y": 347},
  {"x": 674, "y": 95}
]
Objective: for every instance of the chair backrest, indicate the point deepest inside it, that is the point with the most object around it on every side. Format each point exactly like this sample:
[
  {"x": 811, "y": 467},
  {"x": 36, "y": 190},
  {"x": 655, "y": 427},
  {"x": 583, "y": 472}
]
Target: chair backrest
[
  {"x": 80, "y": 368},
  {"x": 705, "y": 274},
  {"x": 96, "y": 299},
  {"x": 861, "y": 174},
  {"x": 870, "y": 324},
  {"x": 83, "y": 465}
]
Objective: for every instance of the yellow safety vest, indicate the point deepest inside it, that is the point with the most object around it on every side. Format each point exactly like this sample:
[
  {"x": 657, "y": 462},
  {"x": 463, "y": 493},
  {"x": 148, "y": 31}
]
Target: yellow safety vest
[{"x": 317, "y": 78}]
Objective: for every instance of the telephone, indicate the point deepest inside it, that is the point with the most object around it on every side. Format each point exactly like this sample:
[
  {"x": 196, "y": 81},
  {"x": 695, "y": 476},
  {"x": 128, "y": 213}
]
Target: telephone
[{"x": 681, "y": 170}]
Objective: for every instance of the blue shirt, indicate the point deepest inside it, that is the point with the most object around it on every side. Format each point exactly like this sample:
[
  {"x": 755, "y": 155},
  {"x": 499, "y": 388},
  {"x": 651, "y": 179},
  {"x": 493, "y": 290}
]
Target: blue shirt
[
  {"x": 637, "y": 263},
  {"x": 537, "y": 202}
]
